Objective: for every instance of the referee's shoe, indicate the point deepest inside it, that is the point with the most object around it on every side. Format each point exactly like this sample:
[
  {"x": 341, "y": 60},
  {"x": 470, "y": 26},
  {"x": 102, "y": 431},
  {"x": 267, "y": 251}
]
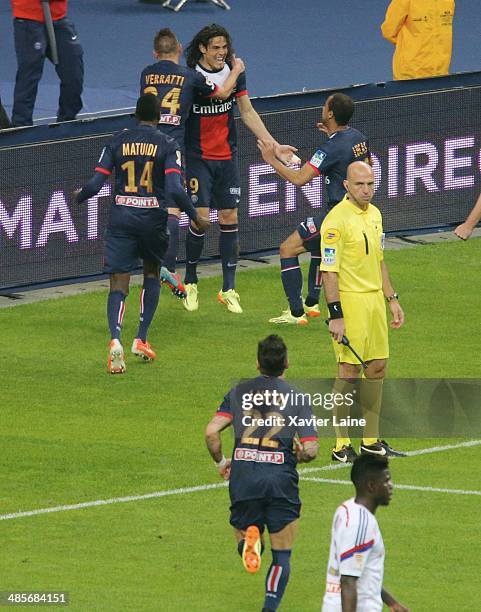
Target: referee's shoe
[{"x": 380, "y": 448}]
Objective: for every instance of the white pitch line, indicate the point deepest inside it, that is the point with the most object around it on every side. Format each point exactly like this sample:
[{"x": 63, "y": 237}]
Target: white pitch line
[
  {"x": 207, "y": 487},
  {"x": 114, "y": 500},
  {"x": 414, "y": 453},
  {"x": 399, "y": 486}
]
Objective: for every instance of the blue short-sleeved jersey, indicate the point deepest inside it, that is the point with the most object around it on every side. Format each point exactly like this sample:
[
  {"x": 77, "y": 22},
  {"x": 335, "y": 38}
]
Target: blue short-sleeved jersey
[
  {"x": 333, "y": 158},
  {"x": 266, "y": 415},
  {"x": 176, "y": 87}
]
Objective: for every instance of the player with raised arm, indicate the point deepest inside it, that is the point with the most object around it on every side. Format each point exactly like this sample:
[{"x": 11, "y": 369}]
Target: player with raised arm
[
  {"x": 355, "y": 569},
  {"x": 147, "y": 173},
  {"x": 273, "y": 432},
  {"x": 344, "y": 145},
  {"x": 176, "y": 86},
  {"x": 212, "y": 173}
]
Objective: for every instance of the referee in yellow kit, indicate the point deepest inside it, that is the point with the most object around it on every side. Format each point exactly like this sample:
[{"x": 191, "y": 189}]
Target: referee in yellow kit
[{"x": 356, "y": 283}]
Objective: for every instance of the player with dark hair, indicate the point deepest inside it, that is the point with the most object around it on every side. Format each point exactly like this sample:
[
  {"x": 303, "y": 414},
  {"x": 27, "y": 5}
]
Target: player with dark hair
[
  {"x": 176, "y": 87},
  {"x": 356, "y": 557},
  {"x": 345, "y": 145},
  {"x": 212, "y": 174},
  {"x": 263, "y": 480},
  {"x": 147, "y": 172}
]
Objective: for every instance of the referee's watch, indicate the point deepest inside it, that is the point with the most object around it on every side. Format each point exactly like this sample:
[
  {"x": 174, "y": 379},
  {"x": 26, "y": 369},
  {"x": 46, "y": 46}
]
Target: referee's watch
[{"x": 392, "y": 297}]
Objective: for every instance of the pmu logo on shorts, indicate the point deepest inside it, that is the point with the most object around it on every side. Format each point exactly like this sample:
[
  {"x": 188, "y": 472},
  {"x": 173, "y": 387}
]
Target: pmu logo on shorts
[
  {"x": 139, "y": 202},
  {"x": 259, "y": 456},
  {"x": 329, "y": 256},
  {"x": 235, "y": 191}
]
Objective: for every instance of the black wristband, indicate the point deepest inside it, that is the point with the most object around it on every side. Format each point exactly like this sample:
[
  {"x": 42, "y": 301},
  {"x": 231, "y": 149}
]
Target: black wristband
[{"x": 335, "y": 310}]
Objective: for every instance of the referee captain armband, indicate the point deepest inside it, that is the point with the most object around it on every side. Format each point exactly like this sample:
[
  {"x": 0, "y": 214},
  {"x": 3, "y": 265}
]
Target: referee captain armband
[{"x": 335, "y": 310}]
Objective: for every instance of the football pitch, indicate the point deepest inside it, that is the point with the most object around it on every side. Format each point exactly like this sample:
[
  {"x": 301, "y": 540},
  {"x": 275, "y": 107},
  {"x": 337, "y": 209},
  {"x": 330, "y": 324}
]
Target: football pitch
[{"x": 107, "y": 490}]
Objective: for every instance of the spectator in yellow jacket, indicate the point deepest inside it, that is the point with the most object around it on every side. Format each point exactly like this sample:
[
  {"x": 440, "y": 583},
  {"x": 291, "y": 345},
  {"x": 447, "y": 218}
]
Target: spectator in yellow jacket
[{"x": 422, "y": 31}]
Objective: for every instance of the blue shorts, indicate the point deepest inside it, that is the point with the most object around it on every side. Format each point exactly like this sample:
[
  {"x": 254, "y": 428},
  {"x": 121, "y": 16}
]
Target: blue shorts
[
  {"x": 213, "y": 183},
  {"x": 310, "y": 230},
  {"x": 134, "y": 238},
  {"x": 274, "y": 512}
]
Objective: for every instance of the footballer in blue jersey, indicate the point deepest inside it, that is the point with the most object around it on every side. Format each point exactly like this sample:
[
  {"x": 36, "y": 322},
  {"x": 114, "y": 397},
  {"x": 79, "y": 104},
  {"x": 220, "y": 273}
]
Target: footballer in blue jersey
[
  {"x": 344, "y": 146},
  {"x": 147, "y": 174},
  {"x": 177, "y": 88},
  {"x": 274, "y": 430}
]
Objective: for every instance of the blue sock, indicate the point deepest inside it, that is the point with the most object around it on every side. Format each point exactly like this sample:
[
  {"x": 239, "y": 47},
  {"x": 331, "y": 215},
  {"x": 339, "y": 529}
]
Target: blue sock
[
  {"x": 170, "y": 259},
  {"x": 277, "y": 578},
  {"x": 194, "y": 244},
  {"x": 115, "y": 313},
  {"x": 314, "y": 281},
  {"x": 229, "y": 253},
  {"x": 149, "y": 299},
  {"x": 292, "y": 281}
]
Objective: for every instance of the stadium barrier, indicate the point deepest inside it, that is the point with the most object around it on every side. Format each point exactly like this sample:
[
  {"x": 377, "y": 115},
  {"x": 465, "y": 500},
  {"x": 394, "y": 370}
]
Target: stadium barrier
[{"x": 425, "y": 137}]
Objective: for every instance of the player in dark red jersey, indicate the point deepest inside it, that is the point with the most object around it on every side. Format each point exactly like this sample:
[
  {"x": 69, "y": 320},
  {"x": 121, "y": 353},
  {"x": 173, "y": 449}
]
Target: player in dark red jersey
[
  {"x": 274, "y": 430},
  {"x": 344, "y": 146},
  {"x": 147, "y": 173},
  {"x": 212, "y": 172},
  {"x": 176, "y": 87}
]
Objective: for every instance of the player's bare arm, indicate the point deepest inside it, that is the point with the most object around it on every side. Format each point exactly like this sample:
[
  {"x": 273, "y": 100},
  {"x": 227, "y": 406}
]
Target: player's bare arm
[
  {"x": 306, "y": 451},
  {"x": 224, "y": 91},
  {"x": 394, "y": 606},
  {"x": 465, "y": 230},
  {"x": 393, "y": 302},
  {"x": 255, "y": 124},
  {"x": 330, "y": 283},
  {"x": 214, "y": 444},
  {"x": 349, "y": 593},
  {"x": 298, "y": 177}
]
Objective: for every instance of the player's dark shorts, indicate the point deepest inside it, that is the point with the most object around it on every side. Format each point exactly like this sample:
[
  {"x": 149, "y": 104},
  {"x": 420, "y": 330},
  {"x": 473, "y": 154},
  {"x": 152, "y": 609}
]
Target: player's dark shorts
[
  {"x": 310, "y": 230},
  {"x": 132, "y": 238},
  {"x": 213, "y": 183},
  {"x": 275, "y": 513}
]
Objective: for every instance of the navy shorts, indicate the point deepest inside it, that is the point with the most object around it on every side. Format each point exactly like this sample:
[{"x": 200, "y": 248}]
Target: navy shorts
[
  {"x": 310, "y": 232},
  {"x": 133, "y": 238},
  {"x": 213, "y": 183},
  {"x": 275, "y": 513}
]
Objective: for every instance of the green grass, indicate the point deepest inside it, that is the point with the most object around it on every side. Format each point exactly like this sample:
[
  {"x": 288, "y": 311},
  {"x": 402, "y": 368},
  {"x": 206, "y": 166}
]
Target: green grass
[{"x": 71, "y": 433}]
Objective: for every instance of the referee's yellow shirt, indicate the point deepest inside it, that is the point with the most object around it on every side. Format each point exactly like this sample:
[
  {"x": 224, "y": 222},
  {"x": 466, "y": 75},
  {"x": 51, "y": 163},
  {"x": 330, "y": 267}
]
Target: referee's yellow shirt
[{"x": 352, "y": 243}]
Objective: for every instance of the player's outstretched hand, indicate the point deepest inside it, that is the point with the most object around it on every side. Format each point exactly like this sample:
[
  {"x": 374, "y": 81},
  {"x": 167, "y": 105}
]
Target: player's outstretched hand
[
  {"x": 322, "y": 128},
  {"x": 267, "y": 150},
  {"x": 397, "y": 607},
  {"x": 286, "y": 154},
  {"x": 238, "y": 65},
  {"x": 463, "y": 231},
  {"x": 397, "y": 314},
  {"x": 224, "y": 472},
  {"x": 202, "y": 223}
]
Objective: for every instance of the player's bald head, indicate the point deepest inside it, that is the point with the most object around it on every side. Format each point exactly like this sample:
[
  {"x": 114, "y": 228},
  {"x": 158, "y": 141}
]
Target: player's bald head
[{"x": 359, "y": 170}]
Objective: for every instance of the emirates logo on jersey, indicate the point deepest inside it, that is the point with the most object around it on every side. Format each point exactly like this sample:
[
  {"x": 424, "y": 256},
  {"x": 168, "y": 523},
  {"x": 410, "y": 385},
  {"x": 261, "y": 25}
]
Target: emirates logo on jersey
[{"x": 212, "y": 109}]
